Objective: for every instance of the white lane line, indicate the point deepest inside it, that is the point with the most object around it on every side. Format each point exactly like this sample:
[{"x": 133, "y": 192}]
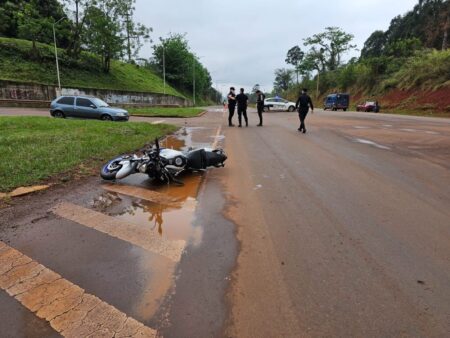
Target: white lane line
[
  {"x": 364, "y": 141},
  {"x": 409, "y": 130},
  {"x": 217, "y": 138},
  {"x": 139, "y": 236},
  {"x": 432, "y": 132},
  {"x": 361, "y": 127},
  {"x": 69, "y": 310},
  {"x": 158, "y": 121}
]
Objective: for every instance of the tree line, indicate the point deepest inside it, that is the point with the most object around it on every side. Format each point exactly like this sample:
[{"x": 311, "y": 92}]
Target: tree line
[
  {"x": 107, "y": 29},
  {"x": 409, "y": 39}
]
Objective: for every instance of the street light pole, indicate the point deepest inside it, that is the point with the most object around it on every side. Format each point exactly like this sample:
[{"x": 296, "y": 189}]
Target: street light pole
[
  {"x": 56, "y": 57},
  {"x": 193, "y": 80},
  {"x": 164, "y": 69}
]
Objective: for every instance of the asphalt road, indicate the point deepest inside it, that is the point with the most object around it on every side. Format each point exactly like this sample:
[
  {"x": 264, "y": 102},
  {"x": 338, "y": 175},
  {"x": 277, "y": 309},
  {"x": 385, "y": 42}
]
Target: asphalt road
[{"x": 343, "y": 231}]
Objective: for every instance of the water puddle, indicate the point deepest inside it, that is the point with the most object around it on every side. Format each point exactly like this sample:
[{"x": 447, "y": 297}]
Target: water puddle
[{"x": 168, "y": 211}]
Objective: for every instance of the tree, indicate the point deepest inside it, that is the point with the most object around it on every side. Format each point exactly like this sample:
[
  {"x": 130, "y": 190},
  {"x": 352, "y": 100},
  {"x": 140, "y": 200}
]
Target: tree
[
  {"x": 103, "y": 34},
  {"x": 330, "y": 46},
  {"x": 181, "y": 65},
  {"x": 283, "y": 79},
  {"x": 136, "y": 33},
  {"x": 79, "y": 14},
  {"x": 32, "y": 26},
  {"x": 374, "y": 45},
  {"x": 294, "y": 57}
]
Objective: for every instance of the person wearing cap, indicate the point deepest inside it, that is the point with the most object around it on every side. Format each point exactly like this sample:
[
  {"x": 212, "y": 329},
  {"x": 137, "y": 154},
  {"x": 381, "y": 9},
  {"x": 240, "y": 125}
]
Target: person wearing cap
[
  {"x": 242, "y": 101},
  {"x": 302, "y": 105},
  {"x": 260, "y": 97},
  {"x": 231, "y": 106}
]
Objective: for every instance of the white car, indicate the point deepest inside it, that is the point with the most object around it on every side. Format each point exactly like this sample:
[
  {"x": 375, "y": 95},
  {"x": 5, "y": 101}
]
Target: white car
[{"x": 276, "y": 103}]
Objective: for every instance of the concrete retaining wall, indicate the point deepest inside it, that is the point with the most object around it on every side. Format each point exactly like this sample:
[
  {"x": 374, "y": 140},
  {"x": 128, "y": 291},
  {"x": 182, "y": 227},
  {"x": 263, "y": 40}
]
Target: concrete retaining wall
[{"x": 42, "y": 94}]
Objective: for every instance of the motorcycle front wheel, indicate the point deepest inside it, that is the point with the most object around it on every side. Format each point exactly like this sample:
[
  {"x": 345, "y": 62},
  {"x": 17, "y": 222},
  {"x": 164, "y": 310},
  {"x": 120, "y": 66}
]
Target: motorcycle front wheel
[{"x": 110, "y": 169}]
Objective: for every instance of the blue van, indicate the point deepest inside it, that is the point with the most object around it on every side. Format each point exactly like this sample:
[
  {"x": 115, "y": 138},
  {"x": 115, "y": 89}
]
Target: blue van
[{"x": 337, "y": 101}]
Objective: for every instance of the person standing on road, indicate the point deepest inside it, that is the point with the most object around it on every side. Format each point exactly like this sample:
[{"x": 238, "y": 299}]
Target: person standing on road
[
  {"x": 242, "y": 101},
  {"x": 231, "y": 106},
  {"x": 302, "y": 105},
  {"x": 260, "y": 97}
]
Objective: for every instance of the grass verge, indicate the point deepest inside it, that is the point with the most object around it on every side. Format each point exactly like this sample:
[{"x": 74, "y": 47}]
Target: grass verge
[
  {"x": 166, "y": 112},
  {"x": 17, "y": 64},
  {"x": 36, "y": 148}
]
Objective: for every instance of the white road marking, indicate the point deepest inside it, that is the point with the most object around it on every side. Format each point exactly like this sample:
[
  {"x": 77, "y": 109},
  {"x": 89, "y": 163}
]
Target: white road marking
[
  {"x": 158, "y": 121},
  {"x": 364, "y": 141},
  {"x": 136, "y": 235},
  {"x": 69, "y": 309},
  {"x": 409, "y": 130},
  {"x": 432, "y": 132},
  {"x": 361, "y": 127},
  {"x": 217, "y": 137}
]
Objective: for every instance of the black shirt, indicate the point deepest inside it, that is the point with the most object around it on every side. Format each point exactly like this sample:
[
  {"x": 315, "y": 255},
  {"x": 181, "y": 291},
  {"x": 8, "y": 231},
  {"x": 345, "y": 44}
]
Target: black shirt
[
  {"x": 304, "y": 101},
  {"x": 260, "y": 99},
  {"x": 231, "y": 99},
  {"x": 242, "y": 100}
]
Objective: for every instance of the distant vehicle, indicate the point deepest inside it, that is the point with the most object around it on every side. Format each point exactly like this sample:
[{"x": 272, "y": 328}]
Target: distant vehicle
[
  {"x": 86, "y": 107},
  {"x": 337, "y": 101},
  {"x": 368, "y": 106},
  {"x": 277, "y": 103}
]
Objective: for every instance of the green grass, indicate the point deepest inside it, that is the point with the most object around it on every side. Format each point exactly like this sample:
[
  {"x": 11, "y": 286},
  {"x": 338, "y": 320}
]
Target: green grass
[
  {"x": 17, "y": 64},
  {"x": 166, "y": 112},
  {"x": 35, "y": 148}
]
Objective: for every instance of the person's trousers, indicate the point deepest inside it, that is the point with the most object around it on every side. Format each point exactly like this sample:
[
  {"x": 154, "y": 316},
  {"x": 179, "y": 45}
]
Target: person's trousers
[
  {"x": 302, "y": 113},
  {"x": 260, "y": 113},
  {"x": 231, "y": 109},
  {"x": 242, "y": 111}
]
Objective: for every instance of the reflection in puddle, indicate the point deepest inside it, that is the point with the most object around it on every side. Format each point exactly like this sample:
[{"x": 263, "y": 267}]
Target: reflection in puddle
[{"x": 172, "y": 221}]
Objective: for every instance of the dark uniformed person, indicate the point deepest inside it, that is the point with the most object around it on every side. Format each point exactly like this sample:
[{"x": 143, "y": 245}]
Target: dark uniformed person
[
  {"x": 302, "y": 105},
  {"x": 231, "y": 106},
  {"x": 242, "y": 100},
  {"x": 260, "y": 97}
]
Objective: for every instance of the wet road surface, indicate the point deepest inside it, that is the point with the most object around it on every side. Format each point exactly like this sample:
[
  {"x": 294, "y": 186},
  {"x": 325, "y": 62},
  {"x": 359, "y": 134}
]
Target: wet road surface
[{"x": 343, "y": 231}]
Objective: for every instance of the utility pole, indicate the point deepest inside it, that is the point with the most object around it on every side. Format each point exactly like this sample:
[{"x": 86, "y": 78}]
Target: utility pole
[
  {"x": 56, "y": 57},
  {"x": 164, "y": 68},
  {"x": 193, "y": 78}
]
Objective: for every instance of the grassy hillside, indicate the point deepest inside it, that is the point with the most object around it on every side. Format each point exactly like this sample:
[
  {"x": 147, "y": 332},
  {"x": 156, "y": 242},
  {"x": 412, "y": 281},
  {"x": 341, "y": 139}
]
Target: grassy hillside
[
  {"x": 18, "y": 62},
  {"x": 419, "y": 83}
]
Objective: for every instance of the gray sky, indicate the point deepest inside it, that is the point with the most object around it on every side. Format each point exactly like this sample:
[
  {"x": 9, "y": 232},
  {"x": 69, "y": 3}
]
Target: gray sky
[{"x": 242, "y": 43}]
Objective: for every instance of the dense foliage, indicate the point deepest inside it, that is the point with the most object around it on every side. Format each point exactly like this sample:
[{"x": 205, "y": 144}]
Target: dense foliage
[
  {"x": 104, "y": 28},
  {"x": 413, "y": 52}
]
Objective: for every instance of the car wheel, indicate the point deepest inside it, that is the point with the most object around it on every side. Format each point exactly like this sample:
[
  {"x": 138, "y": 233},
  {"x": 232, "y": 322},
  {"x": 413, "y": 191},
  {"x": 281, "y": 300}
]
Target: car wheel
[
  {"x": 334, "y": 109},
  {"x": 291, "y": 109},
  {"x": 106, "y": 118},
  {"x": 345, "y": 109},
  {"x": 59, "y": 114}
]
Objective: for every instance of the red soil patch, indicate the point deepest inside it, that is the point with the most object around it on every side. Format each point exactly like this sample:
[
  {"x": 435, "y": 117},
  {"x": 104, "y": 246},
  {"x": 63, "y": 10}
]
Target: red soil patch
[{"x": 438, "y": 100}]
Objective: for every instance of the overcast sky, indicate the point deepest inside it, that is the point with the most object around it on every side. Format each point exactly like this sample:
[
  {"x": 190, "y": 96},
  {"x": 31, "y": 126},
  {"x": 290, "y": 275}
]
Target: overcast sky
[{"x": 243, "y": 42}]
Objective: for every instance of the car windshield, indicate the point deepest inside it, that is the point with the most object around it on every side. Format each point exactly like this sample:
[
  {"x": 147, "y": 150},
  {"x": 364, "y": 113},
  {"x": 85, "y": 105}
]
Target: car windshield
[{"x": 100, "y": 103}]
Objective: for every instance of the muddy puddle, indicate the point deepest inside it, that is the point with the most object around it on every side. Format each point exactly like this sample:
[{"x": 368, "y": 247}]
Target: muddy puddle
[{"x": 168, "y": 211}]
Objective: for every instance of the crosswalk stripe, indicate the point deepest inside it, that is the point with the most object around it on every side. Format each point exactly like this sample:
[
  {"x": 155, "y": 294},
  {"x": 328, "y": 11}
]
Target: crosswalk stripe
[
  {"x": 68, "y": 308},
  {"x": 144, "y": 194},
  {"x": 139, "y": 236}
]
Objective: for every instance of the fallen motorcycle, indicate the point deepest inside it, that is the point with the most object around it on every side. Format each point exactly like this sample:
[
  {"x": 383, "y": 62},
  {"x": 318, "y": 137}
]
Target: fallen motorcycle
[{"x": 163, "y": 164}]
